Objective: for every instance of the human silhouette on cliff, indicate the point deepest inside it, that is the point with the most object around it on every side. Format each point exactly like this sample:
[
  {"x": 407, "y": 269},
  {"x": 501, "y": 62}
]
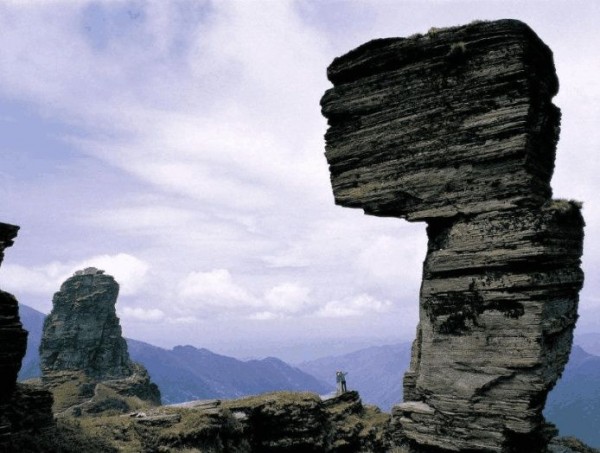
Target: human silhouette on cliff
[{"x": 340, "y": 378}]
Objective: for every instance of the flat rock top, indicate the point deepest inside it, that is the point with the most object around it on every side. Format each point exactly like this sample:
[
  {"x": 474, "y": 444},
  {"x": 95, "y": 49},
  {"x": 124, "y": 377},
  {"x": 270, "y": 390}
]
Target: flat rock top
[
  {"x": 383, "y": 55},
  {"x": 95, "y": 291}
]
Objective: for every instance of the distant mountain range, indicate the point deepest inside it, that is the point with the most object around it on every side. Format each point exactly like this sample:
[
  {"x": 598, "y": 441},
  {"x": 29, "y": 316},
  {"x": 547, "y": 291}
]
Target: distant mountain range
[
  {"x": 376, "y": 372},
  {"x": 185, "y": 373},
  {"x": 590, "y": 342},
  {"x": 573, "y": 405},
  {"x": 33, "y": 321}
]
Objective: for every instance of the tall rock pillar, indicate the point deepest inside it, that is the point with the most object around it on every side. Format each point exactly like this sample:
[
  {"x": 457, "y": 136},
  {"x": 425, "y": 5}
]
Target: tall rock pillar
[
  {"x": 456, "y": 128},
  {"x": 83, "y": 350},
  {"x": 83, "y": 331}
]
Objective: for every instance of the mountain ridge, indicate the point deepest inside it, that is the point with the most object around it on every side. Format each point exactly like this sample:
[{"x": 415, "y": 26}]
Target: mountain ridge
[
  {"x": 210, "y": 375},
  {"x": 568, "y": 404},
  {"x": 186, "y": 373}
]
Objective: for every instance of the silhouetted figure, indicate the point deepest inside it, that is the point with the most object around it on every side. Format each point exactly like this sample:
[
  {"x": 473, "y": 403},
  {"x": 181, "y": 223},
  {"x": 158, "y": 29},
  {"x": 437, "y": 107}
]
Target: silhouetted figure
[{"x": 340, "y": 378}]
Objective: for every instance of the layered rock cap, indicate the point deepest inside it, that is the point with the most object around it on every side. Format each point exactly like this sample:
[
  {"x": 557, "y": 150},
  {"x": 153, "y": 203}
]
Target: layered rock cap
[
  {"x": 457, "y": 128},
  {"x": 456, "y": 121}
]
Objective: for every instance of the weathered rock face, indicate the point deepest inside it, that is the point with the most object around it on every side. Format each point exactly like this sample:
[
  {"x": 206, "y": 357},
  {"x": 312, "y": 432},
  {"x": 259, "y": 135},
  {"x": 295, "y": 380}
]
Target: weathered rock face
[
  {"x": 456, "y": 128},
  {"x": 302, "y": 422},
  {"x": 82, "y": 345},
  {"x": 83, "y": 332},
  {"x": 12, "y": 335},
  {"x": 458, "y": 121},
  {"x": 22, "y": 407}
]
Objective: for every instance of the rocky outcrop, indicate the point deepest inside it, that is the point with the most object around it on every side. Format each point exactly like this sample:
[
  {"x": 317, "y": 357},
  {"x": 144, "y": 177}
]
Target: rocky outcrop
[
  {"x": 12, "y": 335},
  {"x": 275, "y": 422},
  {"x": 83, "y": 354},
  {"x": 302, "y": 422},
  {"x": 354, "y": 427},
  {"x": 23, "y": 408},
  {"x": 27, "y": 410},
  {"x": 456, "y": 128},
  {"x": 285, "y": 422}
]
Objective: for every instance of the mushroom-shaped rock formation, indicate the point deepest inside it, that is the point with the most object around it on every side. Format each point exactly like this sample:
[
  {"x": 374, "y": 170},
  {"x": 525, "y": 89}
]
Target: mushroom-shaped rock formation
[
  {"x": 456, "y": 128},
  {"x": 82, "y": 346}
]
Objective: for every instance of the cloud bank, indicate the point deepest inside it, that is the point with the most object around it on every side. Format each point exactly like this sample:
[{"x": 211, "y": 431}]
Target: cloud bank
[{"x": 178, "y": 146}]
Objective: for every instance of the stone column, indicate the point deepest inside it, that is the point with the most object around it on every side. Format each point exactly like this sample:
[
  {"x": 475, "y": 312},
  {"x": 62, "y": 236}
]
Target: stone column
[{"x": 456, "y": 128}]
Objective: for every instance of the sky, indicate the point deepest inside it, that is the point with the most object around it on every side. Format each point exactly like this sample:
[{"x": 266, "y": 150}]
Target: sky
[{"x": 179, "y": 146}]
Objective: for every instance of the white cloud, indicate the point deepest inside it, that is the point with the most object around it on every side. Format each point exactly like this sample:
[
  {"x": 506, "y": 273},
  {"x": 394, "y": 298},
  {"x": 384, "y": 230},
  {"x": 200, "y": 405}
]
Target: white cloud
[
  {"x": 294, "y": 256},
  {"x": 360, "y": 305},
  {"x": 143, "y": 314},
  {"x": 141, "y": 217},
  {"x": 390, "y": 260},
  {"x": 183, "y": 320},
  {"x": 589, "y": 303},
  {"x": 215, "y": 293},
  {"x": 209, "y": 119},
  {"x": 130, "y": 272},
  {"x": 289, "y": 298},
  {"x": 34, "y": 280},
  {"x": 152, "y": 115},
  {"x": 265, "y": 316},
  {"x": 215, "y": 290}
]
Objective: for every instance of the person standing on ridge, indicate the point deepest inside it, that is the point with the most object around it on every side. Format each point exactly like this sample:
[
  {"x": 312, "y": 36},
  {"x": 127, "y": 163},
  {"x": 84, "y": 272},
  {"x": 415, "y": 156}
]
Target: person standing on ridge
[{"x": 340, "y": 378}]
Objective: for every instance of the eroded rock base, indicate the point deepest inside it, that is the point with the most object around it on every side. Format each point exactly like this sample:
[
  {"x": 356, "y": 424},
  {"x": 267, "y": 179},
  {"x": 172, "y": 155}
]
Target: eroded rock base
[{"x": 498, "y": 308}]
